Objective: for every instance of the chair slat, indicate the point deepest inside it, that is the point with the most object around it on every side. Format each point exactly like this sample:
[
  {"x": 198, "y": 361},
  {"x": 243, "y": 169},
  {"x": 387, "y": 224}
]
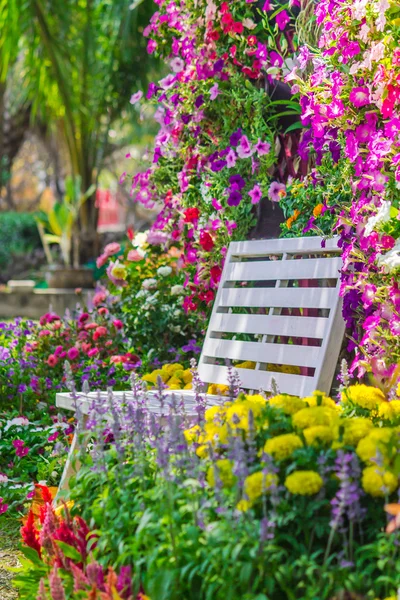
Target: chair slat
[
  {"x": 304, "y": 245},
  {"x": 288, "y": 354},
  {"x": 307, "y": 327},
  {"x": 278, "y": 297},
  {"x": 313, "y": 268},
  {"x": 297, "y": 385}
]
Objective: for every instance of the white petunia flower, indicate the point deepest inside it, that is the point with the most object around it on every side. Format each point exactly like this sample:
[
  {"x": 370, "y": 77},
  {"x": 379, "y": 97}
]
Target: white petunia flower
[{"x": 382, "y": 216}]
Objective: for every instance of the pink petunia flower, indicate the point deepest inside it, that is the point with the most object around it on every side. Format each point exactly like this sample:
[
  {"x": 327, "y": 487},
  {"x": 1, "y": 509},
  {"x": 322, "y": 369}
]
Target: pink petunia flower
[
  {"x": 255, "y": 194},
  {"x": 359, "y": 96},
  {"x": 214, "y": 91},
  {"x": 244, "y": 148},
  {"x": 276, "y": 191},
  {"x": 136, "y": 97}
]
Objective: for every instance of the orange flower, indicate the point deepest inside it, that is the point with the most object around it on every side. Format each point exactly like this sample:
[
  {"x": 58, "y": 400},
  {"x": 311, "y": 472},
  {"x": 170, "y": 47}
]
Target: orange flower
[
  {"x": 317, "y": 210},
  {"x": 394, "y": 511},
  {"x": 292, "y": 219}
]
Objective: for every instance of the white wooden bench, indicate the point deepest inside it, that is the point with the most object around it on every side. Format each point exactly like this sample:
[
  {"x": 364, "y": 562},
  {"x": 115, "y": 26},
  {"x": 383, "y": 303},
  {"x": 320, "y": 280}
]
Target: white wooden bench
[{"x": 277, "y": 304}]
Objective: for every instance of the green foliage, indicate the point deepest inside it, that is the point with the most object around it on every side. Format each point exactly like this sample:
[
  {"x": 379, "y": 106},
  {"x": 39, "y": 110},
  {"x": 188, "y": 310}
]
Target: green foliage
[{"x": 19, "y": 235}]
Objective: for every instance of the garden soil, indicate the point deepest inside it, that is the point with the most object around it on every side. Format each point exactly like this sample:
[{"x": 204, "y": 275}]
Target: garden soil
[{"x": 8, "y": 558}]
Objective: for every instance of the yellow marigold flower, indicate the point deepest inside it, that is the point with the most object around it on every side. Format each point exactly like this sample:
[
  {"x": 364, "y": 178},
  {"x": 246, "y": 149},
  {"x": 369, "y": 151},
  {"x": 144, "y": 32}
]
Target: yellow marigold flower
[
  {"x": 203, "y": 451},
  {"x": 283, "y": 446},
  {"x": 305, "y": 483},
  {"x": 214, "y": 413},
  {"x": 289, "y": 404},
  {"x": 243, "y": 505},
  {"x": 175, "y": 381},
  {"x": 188, "y": 386},
  {"x": 217, "y": 389},
  {"x": 317, "y": 210},
  {"x": 398, "y": 391},
  {"x": 237, "y": 414},
  {"x": 216, "y": 433},
  {"x": 355, "y": 429},
  {"x": 377, "y": 441},
  {"x": 192, "y": 434},
  {"x": 317, "y": 415},
  {"x": 152, "y": 377},
  {"x": 187, "y": 376},
  {"x": 319, "y": 434},
  {"x": 170, "y": 368},
  {"x": 364, "y": 396},
  {"x": 223, "y": 467},
  {"x": 378, "y": 482},
  {"x": 174, "y": 386},
  {"x": 259, "y": 483},
  {"x": 391, "y": 598},
  {"x": 389, "y": 410},
  {"x": 247, "y": 364},
  {"x": 321, "y": 399}
]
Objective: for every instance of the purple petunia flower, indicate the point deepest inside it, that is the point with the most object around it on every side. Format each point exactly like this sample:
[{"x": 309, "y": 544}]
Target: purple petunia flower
[
  {"x": 191, "y": 346},
  {"x": 218, "y": 165},
  {"x": 234, "y": 198},
  {"x": 238, "y": 181},
  {"x": 235, "y": 137}
]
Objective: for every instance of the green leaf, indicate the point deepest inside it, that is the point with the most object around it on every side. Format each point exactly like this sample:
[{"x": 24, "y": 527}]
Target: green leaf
[
  {"x": 294, "y": 126},
  {"x": 69, "y": 551},
  {"x": 31, "y": 555}
]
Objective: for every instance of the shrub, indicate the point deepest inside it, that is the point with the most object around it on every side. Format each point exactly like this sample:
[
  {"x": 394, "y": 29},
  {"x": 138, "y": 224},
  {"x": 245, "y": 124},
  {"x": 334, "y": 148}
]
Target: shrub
[{"x": 19, "y": 235}]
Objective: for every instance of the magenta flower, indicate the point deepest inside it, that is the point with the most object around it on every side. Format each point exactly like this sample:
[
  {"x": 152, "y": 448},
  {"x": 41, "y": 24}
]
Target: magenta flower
[
  {"x": 244, "y": 148},
  {"x": 151, "y": 46},
  {"x": 262, "y": 148},
  {"x": 282, "y": 19},
  {"x": 276, "y": 191},
  {"x": 3, "y": 506},
  {"x": 53, "y": 436},
  {"x": 214, "y": 91},
  {"x": 136, "y": 97},
  {"x": 255, "y": 194},
  {"x": 235, "y": 137},
  {"x": 237, "y": 182},
  {"x": 359, "y": 96},
  {"x": 216, "y": 204},
  {"x": 218, "y": 165},
  {"x": 20, "y": 449},
  {"x": 231, "y": 158},
  {"x": 73, "y": 353}
]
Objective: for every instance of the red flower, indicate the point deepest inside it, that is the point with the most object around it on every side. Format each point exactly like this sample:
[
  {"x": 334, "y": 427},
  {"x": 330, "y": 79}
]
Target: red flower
[
  {"x": 224, "y": 7},
  {"x": 118, "y": 324},
  {"x": 213, "y": 35},
  {"x": 52, "y": 360},
  {"x": 130, "y": 233},
  {"x": 238, "y": 27},
  {"x": 215, "y": 273},
  {"x": 191, "y": 215},
  {"x": 252, "y": 40},
  {"x": 30, "y": 535},
  {"x": 206, "y": 241}
]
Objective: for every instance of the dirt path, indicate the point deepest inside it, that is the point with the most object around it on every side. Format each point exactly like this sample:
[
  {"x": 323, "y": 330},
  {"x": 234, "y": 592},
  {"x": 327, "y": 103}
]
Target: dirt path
[{"x": 9, "y": 538}]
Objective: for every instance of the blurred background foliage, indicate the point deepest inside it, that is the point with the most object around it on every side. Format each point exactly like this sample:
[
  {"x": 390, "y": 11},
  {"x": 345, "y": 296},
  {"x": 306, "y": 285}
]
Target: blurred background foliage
[{"x": 67, "y": 72}]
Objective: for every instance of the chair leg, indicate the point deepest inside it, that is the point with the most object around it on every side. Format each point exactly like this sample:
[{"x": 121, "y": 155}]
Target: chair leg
[{"x": 70, "y": 468}]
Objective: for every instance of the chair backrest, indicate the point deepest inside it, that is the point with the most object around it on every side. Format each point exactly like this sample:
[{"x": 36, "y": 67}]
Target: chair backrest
[{"x": 277, "y": 306}]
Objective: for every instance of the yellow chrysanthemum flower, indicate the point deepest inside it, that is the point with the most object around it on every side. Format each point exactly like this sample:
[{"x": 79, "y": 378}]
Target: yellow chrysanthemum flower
[
  {"x": 152, "y": 377},
  {"x": 174, "y": 386},
  {"x": 216, "y": 433},
  {"x": 188, "y": 386},
  {"x": 192, "y": 435},
  {"x": 363, "y": 395},
  {"x": 378, "y": 441},
  {"x": 223, "y": 467},
  {"x": 320, "y": 399},
  {"x": 317, "y": 415},
  {"x": 319, "y": 434},
  {"x": 217, "y": 389},
  {"x": 283, "y": 446},
  {"x": 304, "y": 483},
  {"x": 289, "y": 404},
  {"x": 378, "y": 482},
  {"x": 170, "y": 368},
  {"x": 175, "y": 381},
  {"x": 389, "y": 410},
  {"x": 354, "y": 430},
  {"x": 214, "y": 413},
  {"x": 187, "y": 376},
  {"x": 259, "y": 483}
]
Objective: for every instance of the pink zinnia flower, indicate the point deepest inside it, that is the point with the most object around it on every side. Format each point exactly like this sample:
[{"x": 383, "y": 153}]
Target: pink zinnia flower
[
  {"x": 134, "y": 256},
  {"x": 52, "y": 360},
  {"x": 118, "y": 324},
  {"x": 102, "y": 259},
  {"x": 112, "y": 249},
  {"x": 359, "y": 96},
  {"x": 276, "y": 191}
]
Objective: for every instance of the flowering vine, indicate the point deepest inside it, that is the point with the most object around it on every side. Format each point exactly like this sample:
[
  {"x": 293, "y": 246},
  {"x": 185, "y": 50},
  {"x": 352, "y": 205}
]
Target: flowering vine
[
  {"x": 350, "y": 103},
  {"x": 215, "y": 152}
]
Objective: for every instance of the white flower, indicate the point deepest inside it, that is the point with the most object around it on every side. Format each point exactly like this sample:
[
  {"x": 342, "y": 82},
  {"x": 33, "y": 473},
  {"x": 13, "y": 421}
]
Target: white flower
[
  {"x": 142, "y": 294},
  {"x": 176, "y": 290},
  {"x": 390, "y": 260},
  {"x": 17, "y": 421},
  {"x": 249, "y": 24},
  {"x": 3, "y": 478},
  {"x": 148, "y": 284},
  {"x": 382, "y": 216},
  {"x": 164, "y": 271},
  {"x": 140, "y": 239}
]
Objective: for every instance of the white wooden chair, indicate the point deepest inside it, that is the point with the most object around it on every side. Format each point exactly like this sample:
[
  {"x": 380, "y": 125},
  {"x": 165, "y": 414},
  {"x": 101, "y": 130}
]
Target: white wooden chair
[{"x": 278, "y": 306}]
